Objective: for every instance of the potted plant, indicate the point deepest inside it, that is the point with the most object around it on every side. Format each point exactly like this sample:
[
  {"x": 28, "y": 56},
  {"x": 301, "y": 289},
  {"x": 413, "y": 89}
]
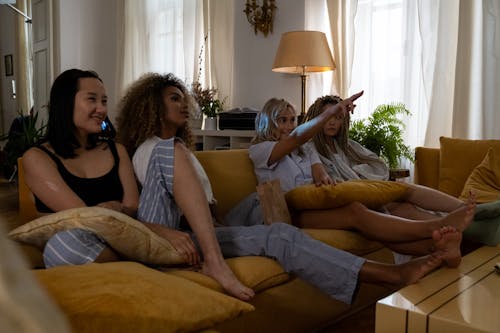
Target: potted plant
[
  {"x": 209, "y": 104},
  {"x": 24, "y": 133},
  {"x": 382, "y": 133}
]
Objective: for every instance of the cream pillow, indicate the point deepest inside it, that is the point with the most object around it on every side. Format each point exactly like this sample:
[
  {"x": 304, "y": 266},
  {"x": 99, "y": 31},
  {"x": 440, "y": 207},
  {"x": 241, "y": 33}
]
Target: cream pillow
[
  {"x": 484, "y": 180},
  {"x": 129, "y": 297},
  {"x": 127, "y": 236},
  {"x": 372, "y": 193}
]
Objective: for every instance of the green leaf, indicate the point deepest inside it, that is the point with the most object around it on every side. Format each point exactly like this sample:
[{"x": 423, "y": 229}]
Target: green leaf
[{"x": 382, "y": 133}]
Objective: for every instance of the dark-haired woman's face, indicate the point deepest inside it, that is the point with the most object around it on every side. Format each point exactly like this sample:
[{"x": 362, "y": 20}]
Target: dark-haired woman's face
[
  {"x": 90, "y": 106},
  {"x": 332, "y": 127},
  {"x": 176, "y": 107}
]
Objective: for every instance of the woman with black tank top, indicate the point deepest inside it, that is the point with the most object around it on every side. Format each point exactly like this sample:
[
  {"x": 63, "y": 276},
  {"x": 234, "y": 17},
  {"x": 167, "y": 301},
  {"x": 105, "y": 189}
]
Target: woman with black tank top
[{"x": 77, "y": 166}]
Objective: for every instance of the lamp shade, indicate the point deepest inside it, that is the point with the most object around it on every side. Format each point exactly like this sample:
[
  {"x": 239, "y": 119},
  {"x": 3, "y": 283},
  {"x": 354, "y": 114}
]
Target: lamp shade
[{"x": 303, "y": 52}]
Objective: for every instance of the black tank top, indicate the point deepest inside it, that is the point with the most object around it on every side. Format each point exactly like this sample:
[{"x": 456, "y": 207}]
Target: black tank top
[{"x": 91, "y": 190}]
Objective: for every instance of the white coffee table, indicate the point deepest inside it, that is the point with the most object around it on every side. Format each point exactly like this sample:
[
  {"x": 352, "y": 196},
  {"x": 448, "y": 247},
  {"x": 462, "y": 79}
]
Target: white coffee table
[{"x": 463, "y": 299}]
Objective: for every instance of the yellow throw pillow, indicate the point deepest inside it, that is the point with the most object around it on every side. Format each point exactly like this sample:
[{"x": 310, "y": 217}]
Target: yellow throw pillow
[
  {"x": 129, "y": 297},
  {"x": 458, "y": 157},
  {"x": 127, "y": 236},
  {"x": 257, "y": 273},
  {"x": 372, "y": 193},
  {"x": 484, "y": 180}
]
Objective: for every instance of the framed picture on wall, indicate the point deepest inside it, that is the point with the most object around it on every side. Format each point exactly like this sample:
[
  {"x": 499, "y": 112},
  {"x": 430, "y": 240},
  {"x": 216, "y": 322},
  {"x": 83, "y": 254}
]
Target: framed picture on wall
[{"x": 9, "y": 66}]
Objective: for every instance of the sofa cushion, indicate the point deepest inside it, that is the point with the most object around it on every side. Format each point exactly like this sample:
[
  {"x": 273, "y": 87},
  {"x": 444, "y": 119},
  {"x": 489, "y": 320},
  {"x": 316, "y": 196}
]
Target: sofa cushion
[
  {"x": 454, "y": 167},
  {"x": 231, "y": 176},
  {"x": 484, "y": 180},
  {"x": 127, "y": 236},
  {"x": 372, "y": 193},
  {"x": 258, "y": 273},
  {"x": 130, "y": 297}
]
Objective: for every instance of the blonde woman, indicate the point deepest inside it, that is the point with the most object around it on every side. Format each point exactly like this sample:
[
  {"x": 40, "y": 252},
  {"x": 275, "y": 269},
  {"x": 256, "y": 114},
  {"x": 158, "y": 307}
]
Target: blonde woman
[
  {"x": 277, "y": 153},
  {"x": 345, "y": 159},
  {"x": 153, "y": 125}
]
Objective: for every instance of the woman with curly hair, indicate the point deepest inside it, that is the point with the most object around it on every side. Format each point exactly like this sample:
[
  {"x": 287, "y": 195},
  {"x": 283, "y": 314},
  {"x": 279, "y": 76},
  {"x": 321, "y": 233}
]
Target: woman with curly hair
[
  {"x": 152, "y": 123},
  {"x": 346, "y": 159}
]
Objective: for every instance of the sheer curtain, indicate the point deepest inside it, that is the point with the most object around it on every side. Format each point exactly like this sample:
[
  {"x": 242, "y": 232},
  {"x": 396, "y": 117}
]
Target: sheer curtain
[
  {"x": 439, "y": 57},
  {"x": 189, "y": 38},
  {"x": 159, "y": 36}
]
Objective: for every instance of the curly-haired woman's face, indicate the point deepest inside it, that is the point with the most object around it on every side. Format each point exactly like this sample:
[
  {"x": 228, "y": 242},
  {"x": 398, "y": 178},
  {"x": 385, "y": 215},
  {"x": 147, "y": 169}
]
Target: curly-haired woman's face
[
  {"x": 334, "y": 124},
  {"x": 90, "y": 106},
  {"x": 176, "y": 107}
]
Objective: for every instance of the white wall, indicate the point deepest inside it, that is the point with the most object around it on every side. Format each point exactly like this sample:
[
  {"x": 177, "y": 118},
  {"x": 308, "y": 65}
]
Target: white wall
[
  {"x": 8, "y": 105},
  {"x": 87, "y": 30},
  {"x": 254, "y": 82}
]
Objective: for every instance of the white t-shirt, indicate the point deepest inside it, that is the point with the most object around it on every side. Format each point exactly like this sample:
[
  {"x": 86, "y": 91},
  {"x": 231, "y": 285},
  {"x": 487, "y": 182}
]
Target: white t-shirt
[
  {"x": 141, "y": 158},
  {"x": 292, "y": 170}
]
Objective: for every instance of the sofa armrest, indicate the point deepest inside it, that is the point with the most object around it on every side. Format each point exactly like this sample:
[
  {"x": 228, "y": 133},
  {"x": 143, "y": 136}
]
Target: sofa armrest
[{"x": 427, "y": 166}]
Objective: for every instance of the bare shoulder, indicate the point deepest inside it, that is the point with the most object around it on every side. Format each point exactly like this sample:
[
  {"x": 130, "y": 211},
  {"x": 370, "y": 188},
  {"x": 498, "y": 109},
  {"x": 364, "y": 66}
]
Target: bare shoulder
[
  {"x": 122, "y": 151},
  {"x": 34, "y": 156}
]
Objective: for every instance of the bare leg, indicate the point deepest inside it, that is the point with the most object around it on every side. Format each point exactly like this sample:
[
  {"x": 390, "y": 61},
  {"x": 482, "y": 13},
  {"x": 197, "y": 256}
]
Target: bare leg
[
  {"x": 399, "y": 275},
  {"x": 431, "y": 199},
  {"x": 417, "y": 248},
  {"x": 408, "y": 211},
  {"x": 382, "y": 227},
  {"x": 190, "y": 197}
]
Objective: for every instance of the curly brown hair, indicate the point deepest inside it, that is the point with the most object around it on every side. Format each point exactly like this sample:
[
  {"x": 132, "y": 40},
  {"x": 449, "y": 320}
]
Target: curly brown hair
[{"x": 141, "y": 110}]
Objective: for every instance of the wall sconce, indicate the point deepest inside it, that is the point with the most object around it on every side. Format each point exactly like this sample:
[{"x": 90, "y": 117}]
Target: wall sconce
[{"x": 260, "y": 16}]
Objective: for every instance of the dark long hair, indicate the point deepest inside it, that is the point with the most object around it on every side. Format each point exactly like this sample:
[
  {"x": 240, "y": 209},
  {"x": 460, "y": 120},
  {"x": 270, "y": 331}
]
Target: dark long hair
[{"x": 60, "y": 128}]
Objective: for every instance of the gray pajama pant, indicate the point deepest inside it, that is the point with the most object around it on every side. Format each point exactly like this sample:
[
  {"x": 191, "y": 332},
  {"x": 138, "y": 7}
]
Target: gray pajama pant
[{"x": 333, "y": 271}]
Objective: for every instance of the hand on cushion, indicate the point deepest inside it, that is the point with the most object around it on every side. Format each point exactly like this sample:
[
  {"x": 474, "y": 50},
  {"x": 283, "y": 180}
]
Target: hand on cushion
[
  {"x": 114, "y": 205},
  {"x": 320, "y": 176},
  {"x": 181, "y": 241}
]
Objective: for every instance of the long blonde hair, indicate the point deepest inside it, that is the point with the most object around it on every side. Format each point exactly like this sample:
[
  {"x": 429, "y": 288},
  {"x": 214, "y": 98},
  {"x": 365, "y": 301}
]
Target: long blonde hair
[
  {"x": 266, "y": 122},
  {"x": 141, "y": 111},
  {"x": 323, "y": 143}
]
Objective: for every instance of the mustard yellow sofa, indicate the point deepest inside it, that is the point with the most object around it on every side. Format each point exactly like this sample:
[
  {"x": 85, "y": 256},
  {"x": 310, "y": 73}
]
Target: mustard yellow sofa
[{"x": 131, "y": 297}]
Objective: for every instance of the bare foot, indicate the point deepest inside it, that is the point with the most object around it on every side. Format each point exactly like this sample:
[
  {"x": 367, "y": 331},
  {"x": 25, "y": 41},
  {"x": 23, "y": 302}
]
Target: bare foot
[
  {"x": 413, "y": 271},
  {"x": 462, "y": 217},
  {"x": 447, "y": 243},
  {"x": 223, "y": 274}
]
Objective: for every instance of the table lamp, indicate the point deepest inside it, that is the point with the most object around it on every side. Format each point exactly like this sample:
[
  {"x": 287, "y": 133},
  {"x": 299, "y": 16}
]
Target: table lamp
[{"x": 303, "y": 52}]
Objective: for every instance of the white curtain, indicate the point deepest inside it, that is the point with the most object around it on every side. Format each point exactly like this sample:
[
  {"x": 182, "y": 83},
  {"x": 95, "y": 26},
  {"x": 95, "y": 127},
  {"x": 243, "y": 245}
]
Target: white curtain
[
  {"x": 220, "y": 29},
  {"x": 159, "y": 36},
  {"x": 191, "y": 38},
  {"x": 439, "y": 57}
]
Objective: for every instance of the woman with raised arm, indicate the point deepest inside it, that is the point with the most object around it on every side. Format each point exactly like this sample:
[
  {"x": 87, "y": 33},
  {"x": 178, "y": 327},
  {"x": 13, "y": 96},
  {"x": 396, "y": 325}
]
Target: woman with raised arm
[
  {"x": 153, "y": 125},
  {"x": 277, "y": 153},
  {"x": 345, "y": 159}
]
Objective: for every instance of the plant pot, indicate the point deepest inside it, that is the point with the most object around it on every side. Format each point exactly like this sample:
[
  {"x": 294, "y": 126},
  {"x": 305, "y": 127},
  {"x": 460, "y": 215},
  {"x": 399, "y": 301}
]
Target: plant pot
[{"x": 209, "y": 123}]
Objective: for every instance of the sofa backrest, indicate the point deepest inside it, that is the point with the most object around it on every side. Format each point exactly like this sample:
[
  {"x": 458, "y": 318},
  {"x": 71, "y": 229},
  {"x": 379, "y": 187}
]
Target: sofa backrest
[
  {"x": 231, "y": 175},
  {"x": 426, "y": 167}
]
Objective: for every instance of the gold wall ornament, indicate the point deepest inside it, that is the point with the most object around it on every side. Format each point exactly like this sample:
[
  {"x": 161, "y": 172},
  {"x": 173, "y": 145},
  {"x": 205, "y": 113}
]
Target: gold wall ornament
[{"x": 260, "y": 16}]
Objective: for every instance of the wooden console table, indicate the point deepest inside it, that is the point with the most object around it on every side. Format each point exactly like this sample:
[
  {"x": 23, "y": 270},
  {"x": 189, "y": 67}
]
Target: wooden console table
[{"x": 462, "y": 299}]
